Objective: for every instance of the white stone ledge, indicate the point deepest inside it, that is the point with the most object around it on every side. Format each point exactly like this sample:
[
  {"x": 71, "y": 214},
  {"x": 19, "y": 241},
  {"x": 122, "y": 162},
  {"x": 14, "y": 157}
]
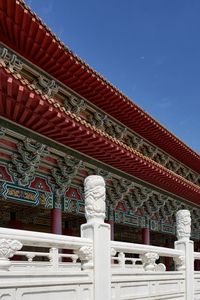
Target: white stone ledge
[
  {"x": 140, "y": 249},
  {"x": 150, "y": 276},
  {"x": 25, "y": 279},
  {"x": 39, "y": 239},
  {"x": 197, "y": 255}
]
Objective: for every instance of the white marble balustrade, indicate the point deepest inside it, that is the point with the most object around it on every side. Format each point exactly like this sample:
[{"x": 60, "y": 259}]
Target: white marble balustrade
[{"x": 43, "y": 266}]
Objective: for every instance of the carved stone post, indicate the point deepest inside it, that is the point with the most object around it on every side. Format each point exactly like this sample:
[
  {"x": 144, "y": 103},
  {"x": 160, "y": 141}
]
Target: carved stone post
[
  {"x": 99, "y": 232},
  {"x": 185, "y": 262}
]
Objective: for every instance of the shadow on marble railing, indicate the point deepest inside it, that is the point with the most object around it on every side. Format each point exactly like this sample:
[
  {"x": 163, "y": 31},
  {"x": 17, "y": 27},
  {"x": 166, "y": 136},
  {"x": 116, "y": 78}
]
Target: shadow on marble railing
[
  {"x": 43, "y": 250},
  {"x": 95, "y": 254}
]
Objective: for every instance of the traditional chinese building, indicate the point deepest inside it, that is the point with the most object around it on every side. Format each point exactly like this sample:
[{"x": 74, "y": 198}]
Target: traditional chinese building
[{"x": 60, "y": 122}]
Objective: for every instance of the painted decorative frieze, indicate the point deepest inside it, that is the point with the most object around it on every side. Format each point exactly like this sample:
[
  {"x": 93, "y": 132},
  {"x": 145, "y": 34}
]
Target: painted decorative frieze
[
  {"x": 25, "y": 195},
  {"x": 97, "y": 119},
  {"x": 104, "y": 123},
  {"x": 118, "y": 190},
  {"x": 62, "y": 177},
  {"x": 105, "y": 174},
  {"x": 127, "y": 202},
  {"x": 74, "y": 104},
  {"x": 134, "y": 141},
  {"x": 2, "y": 131},
  {"x": 26, "y": 161},
  {"x": 46, "y": 85},
  {"x": 10, "y": 60}
]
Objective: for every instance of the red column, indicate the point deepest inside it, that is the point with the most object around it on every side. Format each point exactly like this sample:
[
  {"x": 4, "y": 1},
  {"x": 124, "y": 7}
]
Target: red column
[
  {"x": 112, "y": 227},
  {"x": 56, "y": 220},
  {"x": 167, "y": 263},
  {"x": 111, "y": 221},
  {"x": 146, "y": 236},
  {"x": 167, "y": 259},
  {"x": 67, "y": 229},
  {"x": 14, "y": 223},
  {"x": 197, "y": 262}
]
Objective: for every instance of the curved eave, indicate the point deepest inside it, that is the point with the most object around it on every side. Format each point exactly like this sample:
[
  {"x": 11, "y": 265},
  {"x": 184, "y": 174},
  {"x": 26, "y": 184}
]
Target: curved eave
[
  {"x": 27, "y": 107},
  {"x": 23, "y": 31}
]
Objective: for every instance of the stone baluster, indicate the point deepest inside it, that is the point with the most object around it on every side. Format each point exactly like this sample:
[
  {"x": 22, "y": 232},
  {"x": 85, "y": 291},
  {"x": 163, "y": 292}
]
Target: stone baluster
[
  {"x": 149, "y": 260},
  {"x": 74, "y": 258},
  {"x": 30, "y": 257},
  {"x": 54, "y": 258},
  {"x": 85, "y": 254},
  {"x": 121, "y": 259}
]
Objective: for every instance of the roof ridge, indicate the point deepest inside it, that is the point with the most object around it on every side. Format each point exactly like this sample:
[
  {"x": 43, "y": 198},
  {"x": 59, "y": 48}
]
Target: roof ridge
[{"x": 107, "y": 82}]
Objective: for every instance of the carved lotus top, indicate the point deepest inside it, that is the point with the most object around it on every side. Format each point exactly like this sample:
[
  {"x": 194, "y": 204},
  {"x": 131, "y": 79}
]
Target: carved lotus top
[
  {"x": 183, "y": 224},
  {"x": 95, "y": 206}
]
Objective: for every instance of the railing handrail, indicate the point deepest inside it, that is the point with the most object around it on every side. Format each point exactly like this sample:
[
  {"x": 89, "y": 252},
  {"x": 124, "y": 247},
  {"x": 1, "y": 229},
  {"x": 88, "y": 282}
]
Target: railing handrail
[
  {"x": 96, "y": 254},
  {"x": 140, "y": 249},
  {"x": 197, "y": 255},
  {"x": 40, "y": 239}
]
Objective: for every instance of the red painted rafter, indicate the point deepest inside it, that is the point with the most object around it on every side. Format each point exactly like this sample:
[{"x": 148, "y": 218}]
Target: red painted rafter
[
  {"x": 53, "y": 123},
  {"x": 24, "y": 32}
]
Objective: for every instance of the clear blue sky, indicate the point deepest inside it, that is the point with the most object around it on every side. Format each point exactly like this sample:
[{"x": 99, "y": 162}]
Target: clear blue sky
[{"x": 149, "y": 49}]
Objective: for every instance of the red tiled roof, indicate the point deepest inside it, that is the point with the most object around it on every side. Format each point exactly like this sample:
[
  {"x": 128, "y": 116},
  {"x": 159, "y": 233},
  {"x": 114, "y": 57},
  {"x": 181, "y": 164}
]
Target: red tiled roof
[
  {"x": 24, "y": 104},
  {"x": 23, "y": 31}
]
